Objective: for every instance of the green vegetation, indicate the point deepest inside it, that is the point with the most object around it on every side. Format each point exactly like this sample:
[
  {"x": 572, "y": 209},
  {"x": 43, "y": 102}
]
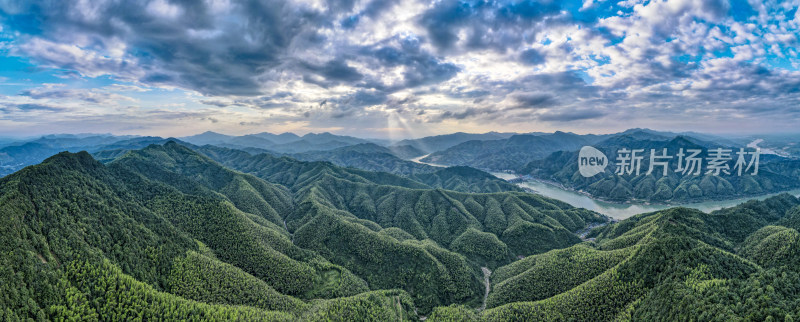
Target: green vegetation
[
  {"x": 357, "y": 159},
  {"x": 774, "y": 175},
  {"x": 453, "y": 313},
  {"x": 509, "y": 153},
  {"x": 481, "y": 247},
  {"x": 368, "y": 156},
  {"x": 204, "y": 279},
  {"x": 387, "y": 305},
  {"x": 104, "y": 293},
  {"x": 464, "y": 179},
  {"x": 168, "y": 233},
  {"x": 542, "y": 276},
  {"x": 773, "y": 246},
  {"x": 385, "y": 262}
]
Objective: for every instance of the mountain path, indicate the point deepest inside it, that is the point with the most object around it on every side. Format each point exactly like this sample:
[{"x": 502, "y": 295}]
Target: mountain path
[{"x": 486, "y": 274}]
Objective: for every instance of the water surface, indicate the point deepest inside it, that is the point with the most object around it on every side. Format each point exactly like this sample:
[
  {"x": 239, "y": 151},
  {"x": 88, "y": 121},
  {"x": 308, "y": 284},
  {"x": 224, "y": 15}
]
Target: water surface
[
  {"x": 622, "y": 210},
  {"x": 612, "y": 209}
]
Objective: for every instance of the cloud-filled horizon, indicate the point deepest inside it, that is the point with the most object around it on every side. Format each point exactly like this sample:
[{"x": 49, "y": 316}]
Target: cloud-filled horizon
[{"x": 401, "y": 69}]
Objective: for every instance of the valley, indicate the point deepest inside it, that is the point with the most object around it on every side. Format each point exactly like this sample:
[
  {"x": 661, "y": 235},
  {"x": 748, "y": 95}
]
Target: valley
[{"x": 253, "y": 235}]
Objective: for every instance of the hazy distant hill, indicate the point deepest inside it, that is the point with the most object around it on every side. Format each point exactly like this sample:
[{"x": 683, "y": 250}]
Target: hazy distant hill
[
  {"x": 510, "y": 153},
  {"x": 406, "y": 151},
  {"x": 208, "y": 137},
  {"x": 367, "y": 156},
  {"x": 278, "y": 138},
  {"x": 280, "y": 143},
  {"x": 435, "y": 143},
  {"x": 19, "y": 155}
]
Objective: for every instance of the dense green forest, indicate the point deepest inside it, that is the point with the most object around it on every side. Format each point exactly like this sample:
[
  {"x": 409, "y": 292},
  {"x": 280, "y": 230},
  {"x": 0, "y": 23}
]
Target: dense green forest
[
  {"x": 208, "y": 233},
  {"x": 285, "y": 169}
]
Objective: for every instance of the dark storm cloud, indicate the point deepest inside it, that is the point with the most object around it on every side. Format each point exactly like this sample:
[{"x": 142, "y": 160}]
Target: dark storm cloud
[
  {"x": 215, "y": 53},
  {"x": 371, "y": 10},
  {"x": 214, "y": 103},
  {"x": 420, "y": 67},
  {"x": 361, "y": 98},
  {"x": 556, "y": 61},
  {"x": 335, "y": 71},
  {"x": 485, "y": 24},
  {"x": 470, "y": 112},
  {"x": 195, "y": 50},
  {"x": 534, "y": 100}
]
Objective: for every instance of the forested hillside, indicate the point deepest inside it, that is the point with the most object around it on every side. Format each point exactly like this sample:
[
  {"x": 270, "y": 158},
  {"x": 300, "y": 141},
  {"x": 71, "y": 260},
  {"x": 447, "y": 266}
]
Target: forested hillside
[
  {"x": 171, "y": 233},
  {"x": 676, "y": 264},
  {"x": 285, "y": 170},
  {"x": 435, "y": 143},
  {"x": 367, "y": 156},
  {"x": 775, "y": 174},
  {"x": 166, "y": 232},
  {"x": 510, "y": 153}
]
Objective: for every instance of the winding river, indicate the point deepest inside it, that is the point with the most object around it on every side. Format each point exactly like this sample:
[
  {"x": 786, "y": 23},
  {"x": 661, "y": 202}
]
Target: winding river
[
  {"x": 614, "y": 210},
  {"x": 623, "y": 210}
]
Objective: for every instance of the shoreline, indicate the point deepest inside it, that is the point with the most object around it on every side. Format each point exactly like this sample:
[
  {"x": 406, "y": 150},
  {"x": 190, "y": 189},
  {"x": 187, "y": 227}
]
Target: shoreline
[
  {"x": 641, "y": 202},
  {"x": 613, "y": 209}
]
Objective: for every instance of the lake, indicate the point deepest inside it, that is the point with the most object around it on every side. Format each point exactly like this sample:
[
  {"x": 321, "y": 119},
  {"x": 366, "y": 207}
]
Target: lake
[
  {"x": 622, "y": 210},
  {"x": 611, "y": 209}
]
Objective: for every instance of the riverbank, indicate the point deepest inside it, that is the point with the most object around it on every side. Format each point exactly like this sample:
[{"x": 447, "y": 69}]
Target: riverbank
[
  {"x": 615, "y": 210},
  {"x": 621, "y": 211}
]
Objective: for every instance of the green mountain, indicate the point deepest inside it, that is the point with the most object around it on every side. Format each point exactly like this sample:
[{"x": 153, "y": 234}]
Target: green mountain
[
  {"x": 676, "y": 264},
  {"x": 373, "y": 157},
  {"x": 367, "y": 156},
  {"x": 170, "y": 232},
  {"x": 510, "y": 153},
  {"x": 357, "y": 157},
  {"x": 279, "y": 143},
  {"x": 166, "y": 232},
  {"x": 105, "y": 147},
  {"x": 775, "y": 174},
  {"x": 435, "y": 143},
  {"x": 406, "y": 151}
]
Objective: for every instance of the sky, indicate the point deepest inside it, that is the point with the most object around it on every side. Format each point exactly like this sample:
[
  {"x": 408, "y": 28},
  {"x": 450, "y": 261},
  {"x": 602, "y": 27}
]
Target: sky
[{"x": 397, "y": 69}]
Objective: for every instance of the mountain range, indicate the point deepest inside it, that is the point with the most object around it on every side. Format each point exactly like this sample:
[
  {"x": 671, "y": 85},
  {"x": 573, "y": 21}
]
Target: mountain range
[
  {"x": 177, "y": 231},
  {"x": 775, "y": 173},
  {"x": 544, "y": 156}
]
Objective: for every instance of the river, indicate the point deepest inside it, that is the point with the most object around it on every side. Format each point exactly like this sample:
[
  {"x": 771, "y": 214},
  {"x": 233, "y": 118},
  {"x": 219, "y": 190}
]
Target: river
[
  {"x": 622, "y": 210},
  {"x": 614, "y": 210}
]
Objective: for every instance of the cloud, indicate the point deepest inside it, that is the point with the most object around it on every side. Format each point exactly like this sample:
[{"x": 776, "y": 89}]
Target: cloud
[
  {"x": 531, "y": 57},
  {"x": 570, "y": 115},
  {"x": 469, "y": 112},
  {"x": 458, "y": 25},
  {"x": 534, "y": 100},
  {"x": 217, "y": 103},
  {"x": 58, "y": 92},
  {"x": 126, "y": 88},
  {"x": 338, "y": 70},
  {"x": 32, "y": 107},
  {"x": 326, "y": 64}
]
